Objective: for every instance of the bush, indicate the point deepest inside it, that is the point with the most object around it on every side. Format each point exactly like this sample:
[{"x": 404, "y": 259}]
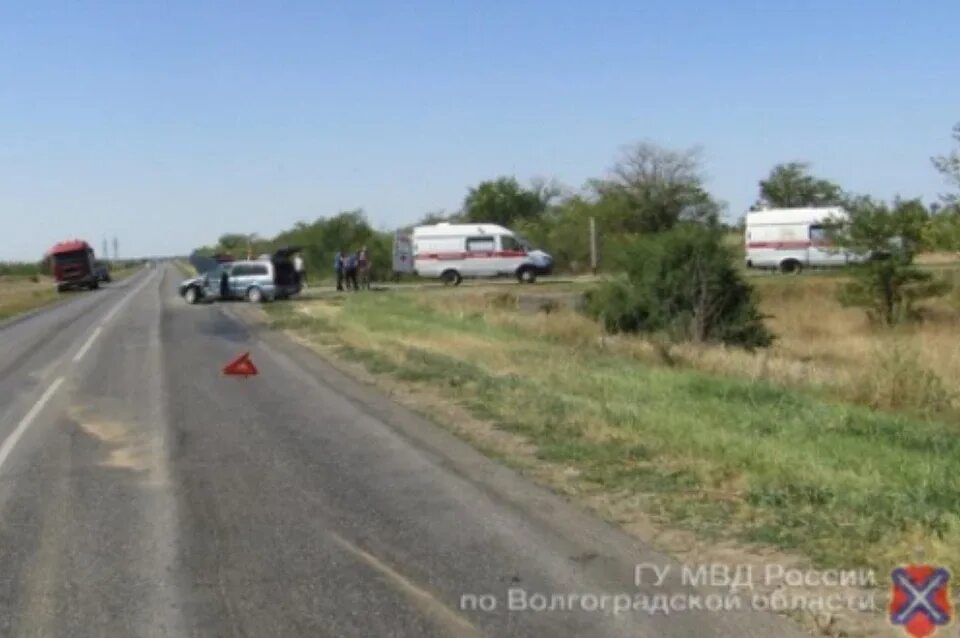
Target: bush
[
  {"x": 888, "y": 285},
  {"x": 889, "y": 288},
  {"x": 899, "y": 380},
  {"x": 681, "y": 283}
]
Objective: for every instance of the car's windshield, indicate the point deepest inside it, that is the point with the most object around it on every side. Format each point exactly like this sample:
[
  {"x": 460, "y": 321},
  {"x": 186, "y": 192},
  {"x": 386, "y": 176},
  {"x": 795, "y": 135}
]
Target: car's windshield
[{"x": 71, "y": 258}]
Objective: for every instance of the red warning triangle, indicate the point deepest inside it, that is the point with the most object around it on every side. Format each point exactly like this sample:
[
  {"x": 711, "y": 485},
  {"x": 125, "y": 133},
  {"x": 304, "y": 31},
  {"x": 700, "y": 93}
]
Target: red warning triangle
[{"x": 242, "y": 366}]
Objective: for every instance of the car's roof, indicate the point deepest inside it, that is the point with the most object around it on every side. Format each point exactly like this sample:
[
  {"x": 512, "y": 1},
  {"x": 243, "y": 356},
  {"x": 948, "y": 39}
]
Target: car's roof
[
  {"x": 444, "y": 229},
  {"x": 795, "y": 215},
  {"x": 234, "y": 264}
]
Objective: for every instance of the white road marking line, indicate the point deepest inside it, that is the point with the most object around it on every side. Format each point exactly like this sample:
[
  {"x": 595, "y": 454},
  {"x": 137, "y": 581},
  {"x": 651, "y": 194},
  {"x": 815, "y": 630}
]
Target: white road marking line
[
  {"x": 447, "y": 618},
  {"x": 116, "y": 308},
  {"x": 110, "y": 315},
  {"x": 86, "y": 346},
  {"x": 113, "y": 311},
  {"x": 25, "y": 422}
]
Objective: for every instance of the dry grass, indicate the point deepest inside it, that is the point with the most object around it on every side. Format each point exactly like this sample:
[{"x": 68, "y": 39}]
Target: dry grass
[
  {"x": 820, "y": 345},
  {"x": 20, "y": 294}
]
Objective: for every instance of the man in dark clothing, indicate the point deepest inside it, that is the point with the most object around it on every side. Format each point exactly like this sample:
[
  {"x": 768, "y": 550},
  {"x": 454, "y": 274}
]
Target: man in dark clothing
[
  {"x": 338, "y": 267},
  {"x": 224, "y": 284},
  {"x": 350, "y": 267}
]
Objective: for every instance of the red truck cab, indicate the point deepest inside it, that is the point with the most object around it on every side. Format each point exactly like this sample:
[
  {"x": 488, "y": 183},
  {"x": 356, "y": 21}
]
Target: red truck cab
[{"x": 72, "y": 265}]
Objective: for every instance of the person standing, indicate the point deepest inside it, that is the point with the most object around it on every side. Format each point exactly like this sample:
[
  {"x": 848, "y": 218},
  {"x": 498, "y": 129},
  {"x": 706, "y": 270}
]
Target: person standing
[
  {"x": 350, "y": 267},
  {"x": 338, "y": 266},
  {"x": 363, "y": 266},
  {"x": 300, "y": 269}
]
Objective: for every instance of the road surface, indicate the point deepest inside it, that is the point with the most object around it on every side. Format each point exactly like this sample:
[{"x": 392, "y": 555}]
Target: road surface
[{"x": 142, "y": 493}]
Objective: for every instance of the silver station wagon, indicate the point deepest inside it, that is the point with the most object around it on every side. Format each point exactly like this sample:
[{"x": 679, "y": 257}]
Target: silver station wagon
[{"x": 256, "y": 280}]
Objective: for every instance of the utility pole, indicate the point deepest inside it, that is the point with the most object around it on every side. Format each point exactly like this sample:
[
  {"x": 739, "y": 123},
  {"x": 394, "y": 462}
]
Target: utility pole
[
  {"x": 593, "y": 245},
  {"x": 105, "y": 254},
  {"x": 116, "y": 248}
]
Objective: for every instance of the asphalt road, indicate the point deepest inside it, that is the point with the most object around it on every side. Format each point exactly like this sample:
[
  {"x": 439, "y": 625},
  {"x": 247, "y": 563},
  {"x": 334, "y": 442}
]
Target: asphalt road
[{"x": 142, "y": 493}]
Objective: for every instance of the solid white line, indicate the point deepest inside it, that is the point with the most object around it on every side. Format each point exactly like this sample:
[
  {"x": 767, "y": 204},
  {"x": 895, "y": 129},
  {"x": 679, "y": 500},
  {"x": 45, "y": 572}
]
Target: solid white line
[
  {"x": 86, "y": 346},
  {"x": 25, "y": 422}
]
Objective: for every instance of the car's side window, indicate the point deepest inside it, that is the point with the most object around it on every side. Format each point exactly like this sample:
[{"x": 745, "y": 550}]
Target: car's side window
[
  {"x": 480, "y": 244},
  {"x": 258, "y": 269}
]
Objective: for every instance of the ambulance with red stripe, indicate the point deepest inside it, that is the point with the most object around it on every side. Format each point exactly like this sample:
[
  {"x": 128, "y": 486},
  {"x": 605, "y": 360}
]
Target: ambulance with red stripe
[
  {"x": 452, "y": 252},
  {"x": 791, "y": 239}
]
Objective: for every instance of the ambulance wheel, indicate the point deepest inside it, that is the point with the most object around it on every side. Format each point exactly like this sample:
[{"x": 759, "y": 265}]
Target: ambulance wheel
[
  {"x": 451, "y": 278},
  {"x": 527, "y": 275},
  {"x": 790, "y": 267}
]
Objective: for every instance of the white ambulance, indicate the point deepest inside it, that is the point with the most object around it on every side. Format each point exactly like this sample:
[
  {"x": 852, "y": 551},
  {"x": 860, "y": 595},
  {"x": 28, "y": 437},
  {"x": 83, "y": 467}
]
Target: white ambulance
[
  {"x": 790, "y": 239},
  {"x": 452, "y": 252}
]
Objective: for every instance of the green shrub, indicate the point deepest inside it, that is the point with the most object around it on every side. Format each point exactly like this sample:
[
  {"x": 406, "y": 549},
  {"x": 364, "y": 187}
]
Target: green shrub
[
  {"x": 888, "y": 285},
  {"x": 681, "y": 283},
  {"x": 889, "y": 288}
]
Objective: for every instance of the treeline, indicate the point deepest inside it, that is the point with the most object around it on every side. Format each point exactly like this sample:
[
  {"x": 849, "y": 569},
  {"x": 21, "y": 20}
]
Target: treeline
[
  {"x": 22, "y": 268},
  {"x": 42, "y": 267},
  {"x": 653, "y": 206},
  {"x": 320, "y": 241},
  {"x": 648, "y": 189}
]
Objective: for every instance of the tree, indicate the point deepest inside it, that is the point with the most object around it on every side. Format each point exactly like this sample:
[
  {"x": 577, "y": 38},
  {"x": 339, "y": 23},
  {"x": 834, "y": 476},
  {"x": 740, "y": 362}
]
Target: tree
[
  {"x": 651, "y": 189},
  {"x": 887, "y": 284},
  {"x": 435, "y": 217},
  {"x": 790, "y": 185},
  {"x": 504, "y": 201},
  {"x": 949, "y": 167},
  {"x": 681, "y": 283},
  {"x": 233, "y": 244},
  {"x": 943, "y": 231},
  {"x": 347, "y": 231}
]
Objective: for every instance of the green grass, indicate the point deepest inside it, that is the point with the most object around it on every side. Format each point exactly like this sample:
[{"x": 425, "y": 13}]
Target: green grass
[{"x": 840, "y": 483}]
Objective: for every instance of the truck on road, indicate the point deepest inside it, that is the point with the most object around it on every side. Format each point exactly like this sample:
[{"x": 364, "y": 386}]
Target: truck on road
[{"x": 73, "y": 266}]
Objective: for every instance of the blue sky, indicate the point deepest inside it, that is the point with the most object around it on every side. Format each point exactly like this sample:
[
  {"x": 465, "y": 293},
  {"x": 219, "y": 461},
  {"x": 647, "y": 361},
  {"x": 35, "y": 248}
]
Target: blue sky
[{"x": 166, "y": 124}]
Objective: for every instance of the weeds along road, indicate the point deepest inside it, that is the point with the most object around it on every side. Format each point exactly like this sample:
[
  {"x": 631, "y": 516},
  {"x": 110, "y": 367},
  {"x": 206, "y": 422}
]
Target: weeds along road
[{"x": 142, "y": 493}]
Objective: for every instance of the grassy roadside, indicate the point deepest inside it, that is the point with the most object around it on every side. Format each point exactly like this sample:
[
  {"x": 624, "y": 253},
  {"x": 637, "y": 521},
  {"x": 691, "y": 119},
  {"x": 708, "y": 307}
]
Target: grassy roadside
[
  {"x": 729, "y": 458},
  {"x": 19, "y": 294},
  {"x": 22, "y": 294}
]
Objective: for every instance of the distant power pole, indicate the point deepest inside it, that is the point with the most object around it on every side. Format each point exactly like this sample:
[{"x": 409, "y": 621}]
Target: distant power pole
[
  {"x": 104, "y": 253},
  {"x": 116, "y": 248}
]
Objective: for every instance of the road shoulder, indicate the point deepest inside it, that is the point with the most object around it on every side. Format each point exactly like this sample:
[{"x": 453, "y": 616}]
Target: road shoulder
[{"x": 475, "y": 451}]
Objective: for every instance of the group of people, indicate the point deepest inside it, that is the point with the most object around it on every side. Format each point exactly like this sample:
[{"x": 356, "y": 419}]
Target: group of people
[{"x": 351, "y": 267}]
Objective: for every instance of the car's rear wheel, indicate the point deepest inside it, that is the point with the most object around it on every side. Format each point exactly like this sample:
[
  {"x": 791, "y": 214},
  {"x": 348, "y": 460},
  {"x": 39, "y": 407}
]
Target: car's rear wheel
[
  {"x": 190, "y": 295},
  {"x": 255, "y": 295},
  {"x": 451, "y": 278}
]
